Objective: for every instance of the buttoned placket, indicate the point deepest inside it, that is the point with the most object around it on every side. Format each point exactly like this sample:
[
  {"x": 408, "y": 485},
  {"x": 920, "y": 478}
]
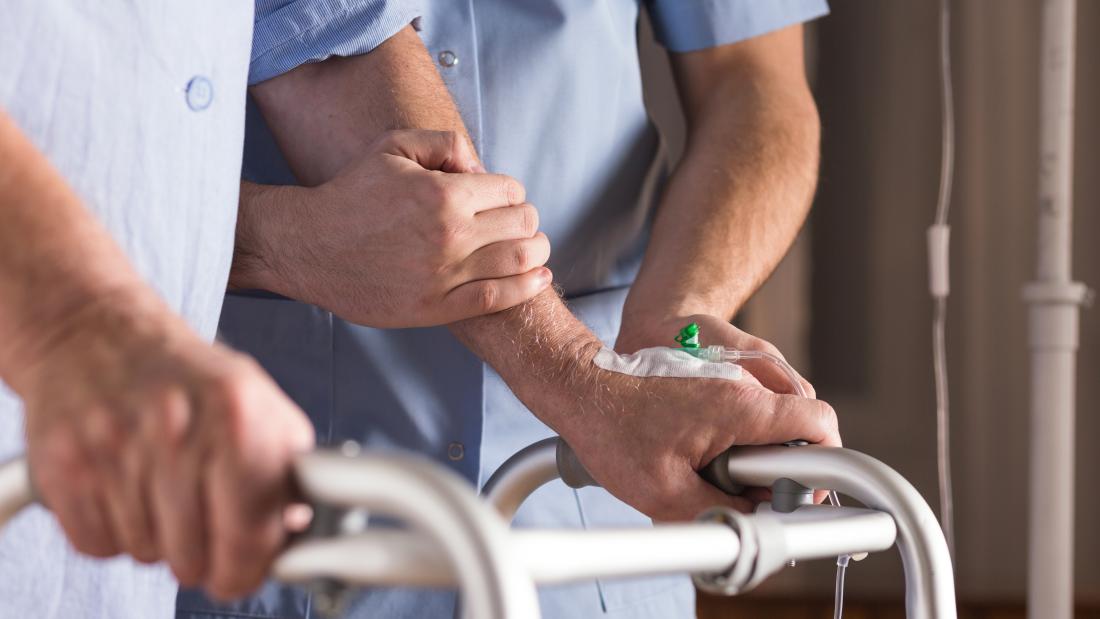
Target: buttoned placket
[{"x": 449, "y": 31}]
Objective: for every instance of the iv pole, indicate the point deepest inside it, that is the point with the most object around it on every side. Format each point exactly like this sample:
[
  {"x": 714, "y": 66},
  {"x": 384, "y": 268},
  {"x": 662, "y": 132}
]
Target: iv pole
[{"x": 1054, "y": 302}]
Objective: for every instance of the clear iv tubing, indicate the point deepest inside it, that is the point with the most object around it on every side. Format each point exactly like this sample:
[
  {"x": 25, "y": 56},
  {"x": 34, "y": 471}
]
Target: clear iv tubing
[{"x": 721, "y": 354}]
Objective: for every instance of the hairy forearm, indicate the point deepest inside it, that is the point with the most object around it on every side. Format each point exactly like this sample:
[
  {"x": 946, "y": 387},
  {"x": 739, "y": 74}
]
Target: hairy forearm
[
  {"x": 56, "y": 260},
  {"x": 735, "y": 202},
  {"x": 323, "y": 114}
]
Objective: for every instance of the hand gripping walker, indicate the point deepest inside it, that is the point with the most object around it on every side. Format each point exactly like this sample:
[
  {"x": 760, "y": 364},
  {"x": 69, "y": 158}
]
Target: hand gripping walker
[{"x": 455, "y": 539}]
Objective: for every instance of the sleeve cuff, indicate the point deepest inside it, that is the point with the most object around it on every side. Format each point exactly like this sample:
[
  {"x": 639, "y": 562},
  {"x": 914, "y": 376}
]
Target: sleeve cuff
[
  {"x": 690, "y": 25},
  {"x": 287, "y": 35}
]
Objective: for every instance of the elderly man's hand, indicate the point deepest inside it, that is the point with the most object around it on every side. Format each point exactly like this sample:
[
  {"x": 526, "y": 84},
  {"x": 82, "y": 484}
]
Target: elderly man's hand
[
  {"x": 407, "y": 235},
  {"x": 638, "y": 334},
  {"x": 145, "y": 440},
  {"x": 644, "y": 439}
]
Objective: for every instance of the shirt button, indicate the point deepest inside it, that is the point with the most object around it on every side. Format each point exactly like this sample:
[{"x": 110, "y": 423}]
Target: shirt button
[
  {"x": 448, "y": 58},
  {"x": 456, "y": 451},
  {"x": 200, "y": 93}
]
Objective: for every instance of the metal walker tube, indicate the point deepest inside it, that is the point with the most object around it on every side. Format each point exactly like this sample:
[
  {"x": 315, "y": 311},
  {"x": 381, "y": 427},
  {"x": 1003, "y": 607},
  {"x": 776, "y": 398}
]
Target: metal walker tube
[{"x": 929, "y": 575}]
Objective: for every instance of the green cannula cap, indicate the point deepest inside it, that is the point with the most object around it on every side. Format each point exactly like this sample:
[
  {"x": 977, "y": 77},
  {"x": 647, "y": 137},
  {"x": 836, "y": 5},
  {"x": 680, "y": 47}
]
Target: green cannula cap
[{"x": 689, "y": 336}]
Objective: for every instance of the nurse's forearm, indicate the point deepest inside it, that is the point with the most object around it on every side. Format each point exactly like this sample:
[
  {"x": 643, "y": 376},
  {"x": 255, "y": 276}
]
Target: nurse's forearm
[
  {"x": 56, "y": 260},
  {"x": 322, "y": 115},
  {"x": 743, "y": 189}
]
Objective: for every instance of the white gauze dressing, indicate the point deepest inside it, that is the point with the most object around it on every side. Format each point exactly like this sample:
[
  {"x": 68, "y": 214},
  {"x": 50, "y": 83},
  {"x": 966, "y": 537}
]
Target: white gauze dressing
[{"x": 667, "y": 362}]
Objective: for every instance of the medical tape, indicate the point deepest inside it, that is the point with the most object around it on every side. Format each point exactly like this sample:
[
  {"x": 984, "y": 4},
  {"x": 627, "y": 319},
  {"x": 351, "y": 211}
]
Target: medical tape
[{"x": 664, "y": 362}]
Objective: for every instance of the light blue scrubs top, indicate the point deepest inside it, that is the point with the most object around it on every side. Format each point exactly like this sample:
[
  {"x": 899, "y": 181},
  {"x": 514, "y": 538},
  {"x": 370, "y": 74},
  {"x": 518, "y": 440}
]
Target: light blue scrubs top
[
  {"x": 551, "y": 93},
  {"x": 139, "y": 105}
]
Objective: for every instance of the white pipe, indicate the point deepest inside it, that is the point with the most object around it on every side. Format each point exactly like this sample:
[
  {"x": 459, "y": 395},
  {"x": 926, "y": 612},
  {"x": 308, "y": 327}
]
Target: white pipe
[
  {"x": 467, "y": 534},
  {"x": 1054, "y": 301},
  {"x": 1056, "y": 82}
]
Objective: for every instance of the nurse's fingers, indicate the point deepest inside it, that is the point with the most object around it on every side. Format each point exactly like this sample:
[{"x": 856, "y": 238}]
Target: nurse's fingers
[
  {"x": 505, "y": 223},
  {"x": 447, "y": 151},
  {"x": 505, "y": 259},
  {"x": 177, "y": 497},
  {"x": 494, "y": 295},
  {"x": 473, "y": 193}
]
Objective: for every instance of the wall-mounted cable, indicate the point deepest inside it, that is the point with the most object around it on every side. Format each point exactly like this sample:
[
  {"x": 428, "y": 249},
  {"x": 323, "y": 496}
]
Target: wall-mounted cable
[{"x": 939, "y": 281}]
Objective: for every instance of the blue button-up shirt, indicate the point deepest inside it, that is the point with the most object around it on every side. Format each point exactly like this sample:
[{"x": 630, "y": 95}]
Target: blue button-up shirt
[
  {"x": 551, "y": 93},
  {"x": 138, "y": 105}
]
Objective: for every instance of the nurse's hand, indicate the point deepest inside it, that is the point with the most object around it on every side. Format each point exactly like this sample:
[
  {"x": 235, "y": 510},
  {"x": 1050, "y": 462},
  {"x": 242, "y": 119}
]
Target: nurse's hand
[
  {"x": 412, "y": 233},
  {"x": 643, "y": 439},
  {"x": 145, "y": 440}
]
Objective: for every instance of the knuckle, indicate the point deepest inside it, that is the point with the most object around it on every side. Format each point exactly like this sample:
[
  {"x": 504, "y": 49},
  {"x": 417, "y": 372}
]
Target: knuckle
[
  {"x": 521, "y": 257},
  {"x": 388, "y": 140},
  {"x": 488, "y": 295},
  {"x": 827, "y": 414},
  {"x": 144, "y": 552},
  {"x": 447, "y": 232},
  {"x": 232, "y": 387},
  {"x": 513, "y": 191},
  {"x": 232, "y": 398},
  {"x": 188, "y": 573},
  {"x": 810, "y": 391},
  {"x": 455, "y": 143},
  {"x": 93, "y": 547},
  {"x": 104, "y": 432},
  {"x": 433, "y": 193},
  {"x": 60, "y": 464},
  {"x": 173, "y": 417},
  {"x": 62, "y": 451},
  {"x": 766, "y": 347},
  {"x": 530, "y": 220},
  {"x": 452, "y": 196}
]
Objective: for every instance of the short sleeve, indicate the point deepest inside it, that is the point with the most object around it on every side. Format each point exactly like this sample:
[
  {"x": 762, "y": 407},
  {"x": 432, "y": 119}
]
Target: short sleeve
[
  {"x": 689, "y": 25},
  {"x": 290, "y": 33}
]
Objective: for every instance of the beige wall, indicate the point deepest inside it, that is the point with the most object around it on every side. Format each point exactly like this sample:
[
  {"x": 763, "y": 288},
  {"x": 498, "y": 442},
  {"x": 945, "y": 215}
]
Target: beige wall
[{"x": 878, "y": 90}]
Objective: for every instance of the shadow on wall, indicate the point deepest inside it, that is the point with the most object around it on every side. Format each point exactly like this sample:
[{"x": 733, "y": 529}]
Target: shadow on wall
[{"x": 850, "y": 304}]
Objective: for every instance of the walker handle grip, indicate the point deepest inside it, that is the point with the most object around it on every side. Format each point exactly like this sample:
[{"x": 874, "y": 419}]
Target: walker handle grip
[
  {"x": 570, "y": 469},
  {"x": 573, "y": 473}
]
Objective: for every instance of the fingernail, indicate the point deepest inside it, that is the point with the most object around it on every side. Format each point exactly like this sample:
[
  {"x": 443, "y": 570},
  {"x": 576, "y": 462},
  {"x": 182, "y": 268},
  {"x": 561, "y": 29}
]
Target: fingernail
[
  {"x": 545, "y": 277},
  {"x": 480, "y": 169}
]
